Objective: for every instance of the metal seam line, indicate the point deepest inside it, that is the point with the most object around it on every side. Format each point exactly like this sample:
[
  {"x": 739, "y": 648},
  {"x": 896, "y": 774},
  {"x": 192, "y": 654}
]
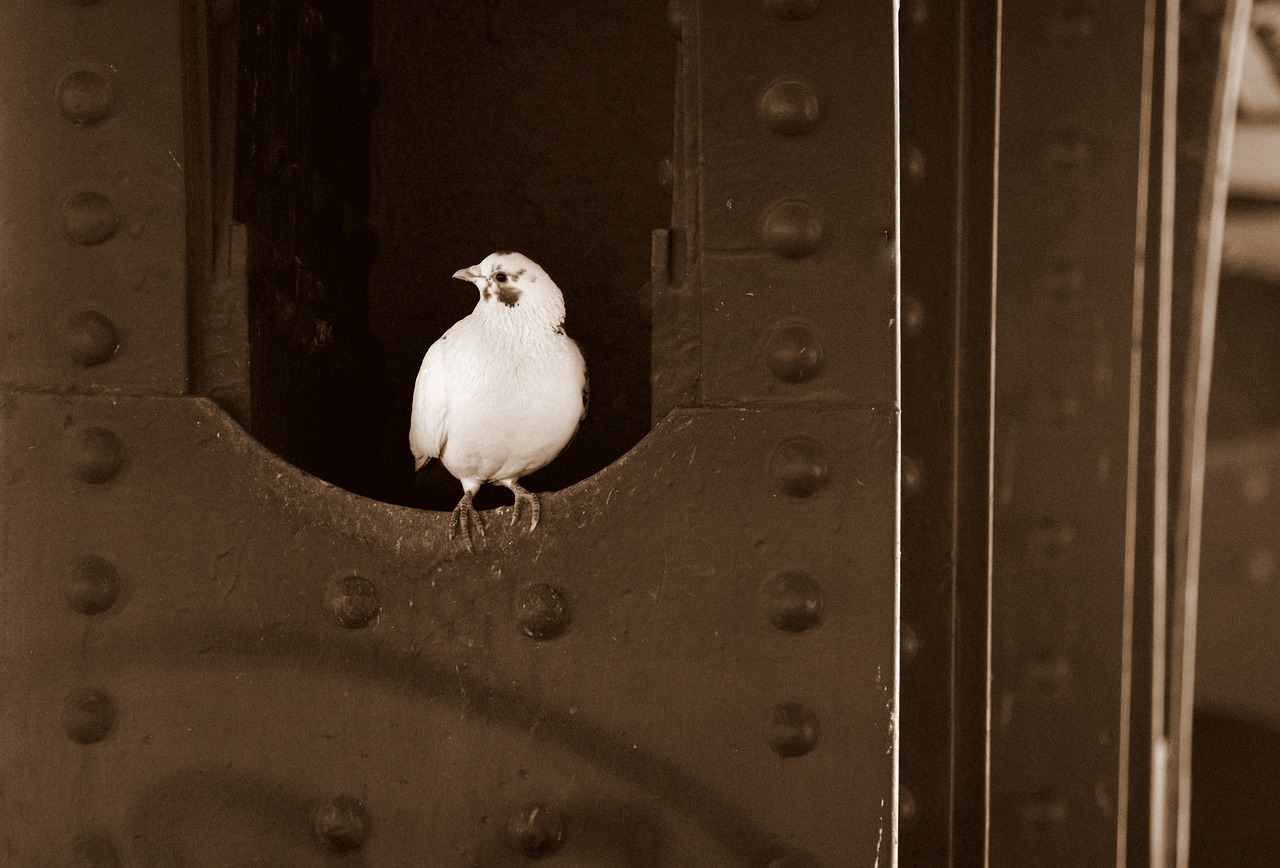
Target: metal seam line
[
  {"x": 1135, "y": 413},
  {"x": 991, "y": 424}
]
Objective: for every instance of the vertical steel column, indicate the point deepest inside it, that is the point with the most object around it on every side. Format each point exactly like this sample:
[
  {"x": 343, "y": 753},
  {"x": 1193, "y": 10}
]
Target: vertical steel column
[
  {"x": 1211, "y": 60},
  {"x": 948, "y": 102},
  {"x": 93, "y": 244},
  {"x": 1081, "y": 414}
]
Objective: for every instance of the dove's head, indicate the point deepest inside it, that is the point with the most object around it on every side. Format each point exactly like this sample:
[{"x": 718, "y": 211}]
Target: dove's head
[{"x": 514, "y": 283}]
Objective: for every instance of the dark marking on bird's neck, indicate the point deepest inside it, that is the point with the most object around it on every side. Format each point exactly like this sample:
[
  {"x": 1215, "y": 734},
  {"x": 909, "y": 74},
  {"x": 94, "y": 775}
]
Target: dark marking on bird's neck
[{"x": 509, "y": 295}]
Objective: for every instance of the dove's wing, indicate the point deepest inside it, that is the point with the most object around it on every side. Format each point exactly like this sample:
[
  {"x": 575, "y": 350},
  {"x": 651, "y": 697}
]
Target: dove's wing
[{"x": 427, "y": 422}]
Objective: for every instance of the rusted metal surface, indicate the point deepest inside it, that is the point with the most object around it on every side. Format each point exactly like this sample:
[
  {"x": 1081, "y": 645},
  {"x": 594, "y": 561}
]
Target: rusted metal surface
[
  {"x": 91, "y": 181},
  {"x": 255, "y": 666}
]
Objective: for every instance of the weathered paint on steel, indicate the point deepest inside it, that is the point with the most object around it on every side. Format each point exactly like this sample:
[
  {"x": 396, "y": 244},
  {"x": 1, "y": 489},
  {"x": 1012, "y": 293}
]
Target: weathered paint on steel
[
  {"x": 243, "y": 701},
  {"x": 93, "y": 190}
]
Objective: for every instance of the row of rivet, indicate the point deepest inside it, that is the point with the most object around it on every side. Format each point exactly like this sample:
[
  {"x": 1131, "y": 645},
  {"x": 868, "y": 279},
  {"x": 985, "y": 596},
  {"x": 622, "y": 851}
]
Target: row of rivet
[
  {"x": 89, "y": 338},
  {"x": 92, "y": 585},
  {"x": 343, "y": 824},
  {"x": 798, "y": 466},
  {"x": 85, "y": 97}
]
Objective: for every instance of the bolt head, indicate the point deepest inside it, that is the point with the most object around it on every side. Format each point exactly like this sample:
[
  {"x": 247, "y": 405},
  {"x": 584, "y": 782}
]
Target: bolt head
[
  {"x": 89, "y": 338},
  {"x": 794, "y": 354},
  {"x": 353, "y": 601},
  {"x": 792, "y": 729},
  {"x": 792, "y": 601},
  {"x": 92, "y": 586},
  {"x": 89, "y": 218},
  {"x": 792, "y": 229},
  {"x": 341, "y": 824},
  {"x": 799, "y": 467},
  {"x": 88, "y": 716},
  {"x": 789, "y": 107},
  {"x": 542, "y": 610},
  {"x": 535, "y": 830},
  {"x": 96, "y": 455},
  {"x": 84, "y": 96}
]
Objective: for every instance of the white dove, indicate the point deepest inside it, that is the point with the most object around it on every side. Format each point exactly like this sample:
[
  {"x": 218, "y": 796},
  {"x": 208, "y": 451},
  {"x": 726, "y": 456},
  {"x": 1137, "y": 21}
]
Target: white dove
[{"x": 502, "y": 392}]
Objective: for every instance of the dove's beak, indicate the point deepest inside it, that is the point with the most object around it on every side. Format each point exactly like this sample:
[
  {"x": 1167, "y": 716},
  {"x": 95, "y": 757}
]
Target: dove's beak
[{"x": 471, "y": 274}]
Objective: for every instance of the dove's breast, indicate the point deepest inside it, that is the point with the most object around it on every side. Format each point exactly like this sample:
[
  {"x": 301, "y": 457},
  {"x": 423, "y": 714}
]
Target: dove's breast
[{"x": 512, "y": 406}]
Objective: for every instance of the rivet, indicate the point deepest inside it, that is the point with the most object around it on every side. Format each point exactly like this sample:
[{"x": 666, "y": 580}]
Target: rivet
[
  {"x": 1062, "y": 283},
  {"x": 341, "y": 824},
  {"x": 792, "y": 10},
  {"x": 353, "y": 600},
  {"x": 88, "y": 715},
  {"x": 96, "y": 455},
  {"x": 1059, "y": 403},
  {"x": 908, "y": 643},
  {"x": 95, "y": 851},
  {"x": 913, "y": 165},
  {"x": 89, "y": 338},
  {"x": 792, "y": 229},
  {"x": 88, "y": 218},
  {"x": 1255, "y": 485},
  {"x": 1049, "y": 674},
  {"x": 92, "y": 585},
  {"x": 1260, "y": 569},
  {"x": 798, "y": 467},
  {"x": 1072, "y": 24},
  {"x": 916, "y": 14},
  {"x": 908, "y": 809},
  {"x": 1065, "y": 150},
  {"x": 84, "y": 96},
  {"x": 542, "y": 610},
  {"x": 789, "y": 107},
  {"x": 912, "y": 317},
  {"x": 675, "y": 17},
  {"x": 1050, "y": 539},
  {"x": 535, "y": 830},
  {"x": 792, "y": 729},
  {"x": 792, "y": 601},
  {"x": 793, "y": 353},
  {"x": 912, "y": 478},
  {"x": 1044, "y": 811}
]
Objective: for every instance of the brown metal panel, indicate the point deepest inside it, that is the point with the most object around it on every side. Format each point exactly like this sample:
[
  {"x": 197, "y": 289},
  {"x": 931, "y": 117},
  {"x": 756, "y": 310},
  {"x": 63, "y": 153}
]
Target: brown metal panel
[
  {"x": 229, "y": 662},
  {"x": 92, "y": 183},
  {"x": 1079, "y": 308},
  {"x": 796, "y": 221}
]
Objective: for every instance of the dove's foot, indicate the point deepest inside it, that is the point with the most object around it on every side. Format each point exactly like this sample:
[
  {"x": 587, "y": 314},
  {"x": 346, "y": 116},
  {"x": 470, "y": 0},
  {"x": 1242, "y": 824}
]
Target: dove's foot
[
  {"x": 523, "y": 496},
  {"x": 466, "y": 520}
]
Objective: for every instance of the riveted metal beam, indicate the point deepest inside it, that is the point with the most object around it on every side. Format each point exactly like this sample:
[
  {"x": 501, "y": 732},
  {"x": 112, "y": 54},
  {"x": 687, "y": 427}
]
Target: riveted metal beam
[
  {"x": 92, "y": 181},
  {"x": 784, "y": 285},
  {"x": 1081, "y": 424},
  {"x": 301, "y": 670}
]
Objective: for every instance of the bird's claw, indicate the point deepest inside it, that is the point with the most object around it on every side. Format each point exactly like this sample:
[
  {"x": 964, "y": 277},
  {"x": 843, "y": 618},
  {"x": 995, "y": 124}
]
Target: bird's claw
[
  {"x": 465, "y": 519},
  {"x": 535, "y": 507}
]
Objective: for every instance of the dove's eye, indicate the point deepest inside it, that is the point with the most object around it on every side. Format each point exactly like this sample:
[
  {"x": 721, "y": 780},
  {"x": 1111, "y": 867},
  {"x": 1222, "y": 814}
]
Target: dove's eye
[{"x": 501, "y": 277}]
